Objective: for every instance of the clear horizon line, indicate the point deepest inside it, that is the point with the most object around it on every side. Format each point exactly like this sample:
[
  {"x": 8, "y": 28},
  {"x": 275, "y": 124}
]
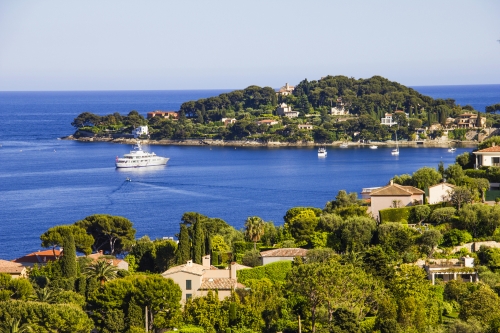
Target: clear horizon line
[{"x": 228, "y": 89}]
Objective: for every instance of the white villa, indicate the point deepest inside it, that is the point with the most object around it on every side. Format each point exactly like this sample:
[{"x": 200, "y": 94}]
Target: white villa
[
  {"x": 285, "y": 110},
  {"x": 387, "y": 120},
  {"x": 141, "y": 130},
  {"x": 440, "y": 193},
  {"x": 339, "y": 109},
  {"x": 488, "y": 156}
]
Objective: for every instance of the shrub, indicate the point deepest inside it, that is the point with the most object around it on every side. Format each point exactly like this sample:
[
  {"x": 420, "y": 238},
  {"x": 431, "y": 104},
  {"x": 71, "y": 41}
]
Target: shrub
[
  {"x": 276, "y": 272},
  {"x": 456, "y": 237}
]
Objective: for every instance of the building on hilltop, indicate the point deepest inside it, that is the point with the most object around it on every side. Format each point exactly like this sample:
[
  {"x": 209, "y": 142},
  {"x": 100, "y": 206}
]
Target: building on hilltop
[
  {"x": 164, "y": 114},
  {"x": 387, "y": 120},
  {"x": 228, "y": 121},
  {"x": 339, "y": 109},
  {"x": 286, "y": 111},
  {"x": 285, "y": 90},
  {"x": 470, "y": 120},
  {"x": 196, "y": 280},
  {"x": 452, "y": 269}
]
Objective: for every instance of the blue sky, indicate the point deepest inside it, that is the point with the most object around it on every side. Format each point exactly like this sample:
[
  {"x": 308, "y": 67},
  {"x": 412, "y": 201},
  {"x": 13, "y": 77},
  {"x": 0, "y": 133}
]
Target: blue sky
[{"x": 163, "y": 44}]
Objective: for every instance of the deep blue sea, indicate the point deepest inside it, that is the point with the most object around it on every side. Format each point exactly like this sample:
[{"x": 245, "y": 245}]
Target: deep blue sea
[{"x": 46, "y": 182}]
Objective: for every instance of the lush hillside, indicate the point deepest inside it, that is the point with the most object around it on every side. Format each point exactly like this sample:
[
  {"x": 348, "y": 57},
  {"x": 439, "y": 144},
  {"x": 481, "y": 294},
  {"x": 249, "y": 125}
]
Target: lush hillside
[{"x": 366, "y": 100}]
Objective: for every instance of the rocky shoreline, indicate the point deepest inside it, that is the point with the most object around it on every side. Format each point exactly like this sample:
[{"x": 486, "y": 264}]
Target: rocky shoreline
[{"x": 253, "y": 143}]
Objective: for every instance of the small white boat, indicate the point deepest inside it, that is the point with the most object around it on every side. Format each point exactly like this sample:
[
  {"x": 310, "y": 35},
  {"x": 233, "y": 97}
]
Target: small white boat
[
  {"x": 452, "y": 149},
  {"x": 321, "y": 152},
  {"x": 373, "y": 147},
  {"x": 344, "y": 145},
  {"x": 395, "y": 151},
  {"x": 139, "y": 158},
  {"x": 128, "y": 179}
]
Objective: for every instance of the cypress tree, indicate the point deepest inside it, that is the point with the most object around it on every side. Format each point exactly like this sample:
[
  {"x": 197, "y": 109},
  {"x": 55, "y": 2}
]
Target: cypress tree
[
  {"x": 184, "y": 249},
  {"x": 68, "y": 259},
  {"x": 198, "y": 243}
]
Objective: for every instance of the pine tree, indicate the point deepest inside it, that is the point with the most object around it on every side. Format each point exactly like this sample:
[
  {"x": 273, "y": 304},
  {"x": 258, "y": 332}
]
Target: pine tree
[
  {"x": 68, "y": 260},
  {"x": 198, "y": 243},
  {"x": 183, "y": 253}
]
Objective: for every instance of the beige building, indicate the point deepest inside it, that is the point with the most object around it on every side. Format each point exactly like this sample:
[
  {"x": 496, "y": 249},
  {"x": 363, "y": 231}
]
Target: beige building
[
  {"x": 163, "y": 114},
  {"x": 281, "y": 254},
  {"x": 268, "y": 122},
  {"x": 394, "y": 196},
  {"x": 285, "y": 90},
  {"x": 339, "y": 109},
  {"x": 15, "y": 270},
  {"x": 469, "y": 120},
  {"x": 488, "y": 156},
  {"x": 196, "y": 280},
  {"x": 308, "y": 127},
  {"x": 440, "y": 193},
  {"x": 39, "y": 257},
  {"x": 228, "y": 121},
  {"x": 286, "y": 111}
]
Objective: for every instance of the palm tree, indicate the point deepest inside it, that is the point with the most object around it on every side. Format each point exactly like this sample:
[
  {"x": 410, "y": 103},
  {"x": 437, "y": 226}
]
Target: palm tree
[
  {"x": 101, "y": 270},
  {"x": 13, "y": 326},
  {"x": 254, "y": 229}
]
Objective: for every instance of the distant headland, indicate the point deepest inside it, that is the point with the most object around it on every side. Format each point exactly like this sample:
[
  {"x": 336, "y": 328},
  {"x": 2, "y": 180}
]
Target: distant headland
[{"x": 329, "y": 111}]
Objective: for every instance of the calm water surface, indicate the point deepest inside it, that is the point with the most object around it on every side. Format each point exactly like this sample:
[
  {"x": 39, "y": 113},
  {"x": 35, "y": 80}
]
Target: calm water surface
[{"x": 46, "y": 182}]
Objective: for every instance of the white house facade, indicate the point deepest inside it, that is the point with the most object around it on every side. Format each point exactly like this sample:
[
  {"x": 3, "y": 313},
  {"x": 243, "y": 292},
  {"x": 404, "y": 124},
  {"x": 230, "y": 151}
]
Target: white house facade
[
  {"x": 440, "y": 193},
  {"x": 488, "y": 156},
  {"x": 141, "y": 130}
]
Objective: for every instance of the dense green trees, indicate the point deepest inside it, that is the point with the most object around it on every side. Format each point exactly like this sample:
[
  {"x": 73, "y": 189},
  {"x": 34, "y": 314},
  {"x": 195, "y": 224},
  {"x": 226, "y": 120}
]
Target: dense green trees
[
  {"x": 112, "y": 234},
  {"x": 367, "y": 101}
]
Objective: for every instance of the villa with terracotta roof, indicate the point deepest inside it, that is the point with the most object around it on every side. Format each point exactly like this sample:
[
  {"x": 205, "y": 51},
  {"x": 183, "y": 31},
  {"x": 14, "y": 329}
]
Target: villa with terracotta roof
[
  {"x": 39, "y": 257},
  {"x": 488, "y": 156},
  {"x": 281, "y": 254},
  {"x": 196, "y": 280},
  {"x": 118, "y": 263},
  {"x": 394, "y": 196},
  {"x": 15, "y": 270}
]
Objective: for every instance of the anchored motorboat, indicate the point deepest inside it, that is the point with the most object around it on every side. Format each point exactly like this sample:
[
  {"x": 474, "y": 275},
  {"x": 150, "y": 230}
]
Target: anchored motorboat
[{"x": 139, "y": 158}]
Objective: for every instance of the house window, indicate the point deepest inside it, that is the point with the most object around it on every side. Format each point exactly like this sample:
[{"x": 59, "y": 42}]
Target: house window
[
  {"x": 495, "y": 161},
  {"x": 188, "y": 284},
  {"x": 189, "y": 296}
]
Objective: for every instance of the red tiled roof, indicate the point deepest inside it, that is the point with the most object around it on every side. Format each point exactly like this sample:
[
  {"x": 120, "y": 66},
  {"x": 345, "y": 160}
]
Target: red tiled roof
[
  {"x": 285, "y": 252},
  {"x": 40, "y": 257},
  {"x": 494, "y": 149}
]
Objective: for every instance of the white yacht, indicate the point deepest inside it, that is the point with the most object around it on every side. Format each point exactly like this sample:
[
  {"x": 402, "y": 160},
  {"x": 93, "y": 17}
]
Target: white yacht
[
  {"x": 344, "y": 145},
  {"x": 139, "y": 158},
  {"x": 322, "y": 151},
  {"x": 452, "y": 149},
  {"x": 373, "y": 147}
]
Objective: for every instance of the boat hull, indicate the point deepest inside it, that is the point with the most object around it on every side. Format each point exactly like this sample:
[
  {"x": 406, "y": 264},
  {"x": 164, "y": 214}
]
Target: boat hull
[{"x": 141, "y": 164}]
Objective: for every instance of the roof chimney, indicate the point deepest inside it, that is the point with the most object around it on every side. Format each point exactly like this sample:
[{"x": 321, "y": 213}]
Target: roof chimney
[
  {"x": 392, "y": 182},
  {"x": 206, "y": 261},
  {"x": 189, "y": 263},
  {"x": 233, "y": 271}
]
